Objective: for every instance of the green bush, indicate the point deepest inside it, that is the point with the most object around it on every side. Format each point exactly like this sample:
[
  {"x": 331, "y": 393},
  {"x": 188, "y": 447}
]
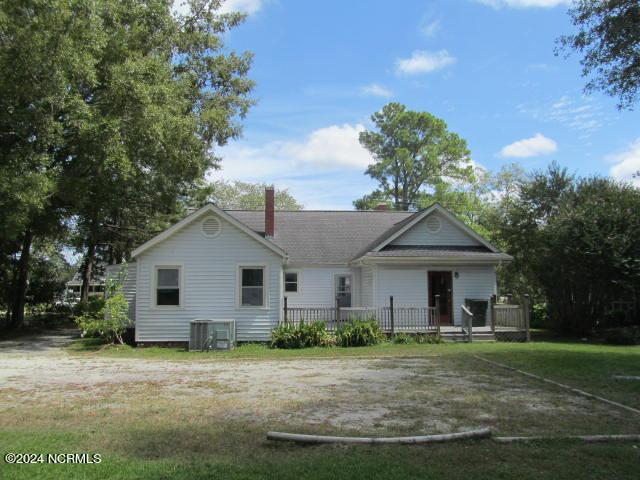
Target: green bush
[
  {"x": 359, "y": 333},
  {"x": 108, "y": 317},
  {"x": 401, "y": 338},
  {"x": 314, "y": 334},
  {"x": 428, "y": 338},
  {"x": 539, "y": 315},
  {"x": 623, "y": 336}
]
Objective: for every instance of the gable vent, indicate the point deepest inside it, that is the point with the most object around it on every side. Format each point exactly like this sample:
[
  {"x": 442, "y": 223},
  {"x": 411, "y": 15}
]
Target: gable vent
[
  {"x": 211, "y": 227},
  {"x": 433, "y": 224}
]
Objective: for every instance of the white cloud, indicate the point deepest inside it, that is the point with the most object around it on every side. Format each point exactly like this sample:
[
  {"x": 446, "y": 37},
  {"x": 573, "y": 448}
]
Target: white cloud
[
  {"x": 524, "y": 3},
  {"x": 530, "y": 147},
  {"x": 180, "y": 7},
  {"x": 322, "y": 170},
  {"x": 429, "y": 28},
  {"x": 376, "y": 90},
  {"x": 422, "y": 61},
  {"x": 335, "y": 147},
  {"x": 627, "y": 164},
  {"x": 582, "y": 114}
]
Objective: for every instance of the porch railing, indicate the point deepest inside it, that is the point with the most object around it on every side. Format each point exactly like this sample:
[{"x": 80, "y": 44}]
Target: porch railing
[
  {"x": 511, "y": 318},
  {"x": 467, "y": 323},
  {"x": 391, "y": 319}
]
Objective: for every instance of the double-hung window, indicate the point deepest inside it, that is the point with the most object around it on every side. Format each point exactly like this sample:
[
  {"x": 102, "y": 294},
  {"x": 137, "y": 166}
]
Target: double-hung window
[
  {"x": 291, "y": 282},
  {"x": 252, "y": 287},
  {"x": 343, "y": 290},
  {"x": 168, "y": 286}
]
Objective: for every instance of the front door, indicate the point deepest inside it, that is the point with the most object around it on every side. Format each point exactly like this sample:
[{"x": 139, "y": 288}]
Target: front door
[{"x": 440, "y": 283}]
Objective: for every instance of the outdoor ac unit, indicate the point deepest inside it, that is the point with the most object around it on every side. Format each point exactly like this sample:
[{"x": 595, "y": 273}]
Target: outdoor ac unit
[{"x": 212, "y": 335}]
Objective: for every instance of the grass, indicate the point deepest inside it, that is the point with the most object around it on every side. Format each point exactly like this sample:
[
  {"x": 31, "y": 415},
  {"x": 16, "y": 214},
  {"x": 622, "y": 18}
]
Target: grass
[{"x": 142, "y": 434}]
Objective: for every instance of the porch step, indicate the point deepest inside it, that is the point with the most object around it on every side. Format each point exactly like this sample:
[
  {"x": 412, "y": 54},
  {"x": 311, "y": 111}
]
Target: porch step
[{"x": 460, "y": 337}]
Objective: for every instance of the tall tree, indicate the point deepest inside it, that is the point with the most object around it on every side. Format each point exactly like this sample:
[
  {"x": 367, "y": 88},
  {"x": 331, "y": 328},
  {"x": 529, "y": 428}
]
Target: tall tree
[
  {"x": 577, "y": 241},
  {"x": 609, "y": 40},
  {"x": 45, "y": 47},
  {"x": 412, "y": 151},
  {"x": 242, "y": 196},
  {"x": 164, "y": 94}
]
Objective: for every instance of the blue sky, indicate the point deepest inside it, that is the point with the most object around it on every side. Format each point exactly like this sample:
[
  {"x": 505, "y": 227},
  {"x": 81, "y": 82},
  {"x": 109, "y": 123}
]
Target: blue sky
[{"x": 486, "y": 67}]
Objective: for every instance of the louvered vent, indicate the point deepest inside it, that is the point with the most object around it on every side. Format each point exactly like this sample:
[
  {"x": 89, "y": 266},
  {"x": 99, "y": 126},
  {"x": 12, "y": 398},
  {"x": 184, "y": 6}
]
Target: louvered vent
[
  {"x": 211, "y": 227},
  {"x": 433, "y": 224}
]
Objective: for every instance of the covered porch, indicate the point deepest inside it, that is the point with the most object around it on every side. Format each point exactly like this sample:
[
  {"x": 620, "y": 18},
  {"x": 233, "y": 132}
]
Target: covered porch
[{"x": 504, "y": 321}]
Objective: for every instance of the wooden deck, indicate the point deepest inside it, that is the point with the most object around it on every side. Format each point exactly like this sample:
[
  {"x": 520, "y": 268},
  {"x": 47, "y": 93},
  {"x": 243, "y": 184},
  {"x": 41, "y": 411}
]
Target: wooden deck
[{"x": 505, "y": 321}]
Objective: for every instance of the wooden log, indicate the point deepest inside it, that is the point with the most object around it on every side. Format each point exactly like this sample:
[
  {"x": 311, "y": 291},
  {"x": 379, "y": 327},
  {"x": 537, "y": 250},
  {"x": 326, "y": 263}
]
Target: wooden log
[{"x": 446, "y": 437}]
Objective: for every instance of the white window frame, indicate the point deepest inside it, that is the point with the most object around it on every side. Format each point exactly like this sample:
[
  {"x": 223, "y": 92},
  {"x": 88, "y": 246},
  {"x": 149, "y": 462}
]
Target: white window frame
[
  {"x": 265, "y": 286},
  {"x": 154, "y": 286},
  {"x": 298, "y": 283},
  {"x": 335, "y": 287}
]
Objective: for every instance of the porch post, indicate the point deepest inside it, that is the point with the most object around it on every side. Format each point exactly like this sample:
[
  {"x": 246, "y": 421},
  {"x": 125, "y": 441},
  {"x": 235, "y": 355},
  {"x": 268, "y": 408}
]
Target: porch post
[
  {"x": 437, "y": 305},
  {"x": 527, "y": 315},
  {"x": 338, "y": 312},
  {"x": 391, "y": 315},
  {"x": 286, "y": 319},
  {"x": 492, "y": 313}
]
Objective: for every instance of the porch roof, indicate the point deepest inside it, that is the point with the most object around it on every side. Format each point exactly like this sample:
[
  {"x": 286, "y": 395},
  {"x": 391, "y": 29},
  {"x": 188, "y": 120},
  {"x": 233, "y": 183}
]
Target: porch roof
[{"x": 439, "y": 252}]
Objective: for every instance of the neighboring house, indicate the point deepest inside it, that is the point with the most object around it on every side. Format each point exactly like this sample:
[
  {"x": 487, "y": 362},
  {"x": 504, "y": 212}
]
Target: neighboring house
[
  {"x": 73, "y": 287},
  {"x": 217, "y": 264}
]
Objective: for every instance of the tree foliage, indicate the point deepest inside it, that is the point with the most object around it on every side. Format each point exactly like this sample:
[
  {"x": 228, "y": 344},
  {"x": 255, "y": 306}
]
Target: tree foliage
[
  {"x": 577, "y": 240},
  {"x": 609, "y": 40},
  {"x": 109, "y": 117},
  {"x": 412, "y": 151},
  {"x": 239, "y": 195}
]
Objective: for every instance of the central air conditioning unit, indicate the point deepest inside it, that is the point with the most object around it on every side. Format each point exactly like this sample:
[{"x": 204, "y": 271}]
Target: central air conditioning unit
[{"x": 212, "y": 335}]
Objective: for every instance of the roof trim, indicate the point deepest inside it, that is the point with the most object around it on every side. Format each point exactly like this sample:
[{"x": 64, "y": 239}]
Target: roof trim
[
  {"x": 424, "y": 213},
  {"x": 208, "y": 208}
]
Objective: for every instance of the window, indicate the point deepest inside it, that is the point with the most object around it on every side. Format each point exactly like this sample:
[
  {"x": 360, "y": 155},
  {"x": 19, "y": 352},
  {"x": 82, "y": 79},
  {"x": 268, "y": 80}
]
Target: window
[
  {"x": 252, "y": 286},
  {"x": 168, "y": 286},
  {"x": 343, "y": 290},
  {"x": 291, "y": 282}
]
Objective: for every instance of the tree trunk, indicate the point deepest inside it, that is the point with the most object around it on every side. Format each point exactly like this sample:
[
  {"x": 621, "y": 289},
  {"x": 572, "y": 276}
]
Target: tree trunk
[
  {"x": 87, "y": 268},
  {"x": 20, "y": 281}
]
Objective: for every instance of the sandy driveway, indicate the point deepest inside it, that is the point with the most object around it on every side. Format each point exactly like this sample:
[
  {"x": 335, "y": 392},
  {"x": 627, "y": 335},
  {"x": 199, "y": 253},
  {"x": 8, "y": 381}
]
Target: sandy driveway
[{"x": 431, "y": 394}]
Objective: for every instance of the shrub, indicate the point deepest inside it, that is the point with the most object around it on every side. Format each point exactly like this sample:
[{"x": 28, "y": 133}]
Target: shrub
[
  {"x": 108, "y": 317},
  {"x": 428, "y": 338},
  {"x": 304, "y": 335},
  {"x": 359, "y": 333},
  {"x": 539, "y": 315},
  {"x": 623, "y": 336},
  {"x": 401, "y": 338}
]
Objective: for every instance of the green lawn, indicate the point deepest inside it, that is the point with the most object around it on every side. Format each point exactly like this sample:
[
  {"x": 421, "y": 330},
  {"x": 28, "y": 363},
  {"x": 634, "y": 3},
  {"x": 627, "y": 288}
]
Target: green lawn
[{"x": 154, "y": 437}]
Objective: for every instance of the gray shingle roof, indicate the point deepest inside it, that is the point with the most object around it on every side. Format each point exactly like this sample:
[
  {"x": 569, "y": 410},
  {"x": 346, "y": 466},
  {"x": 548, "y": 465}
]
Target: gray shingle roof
[{"x": 323, "y": 237}]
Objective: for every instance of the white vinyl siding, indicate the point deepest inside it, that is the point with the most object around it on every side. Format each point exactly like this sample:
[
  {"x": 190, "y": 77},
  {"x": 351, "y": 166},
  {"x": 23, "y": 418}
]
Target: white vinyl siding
[
  {"x": 409, "y": 285},
  {"x": 477, "y": 282},
  {"x": 318, "y": 286},
  {"x": 449, "y": 234},
  {"x": 210, "y": 271},
  {"x": 366, "y": 287}
]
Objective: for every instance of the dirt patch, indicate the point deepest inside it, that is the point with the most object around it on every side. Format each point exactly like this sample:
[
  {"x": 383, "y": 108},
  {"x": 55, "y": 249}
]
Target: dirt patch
[{"x": 394, "y": 395}]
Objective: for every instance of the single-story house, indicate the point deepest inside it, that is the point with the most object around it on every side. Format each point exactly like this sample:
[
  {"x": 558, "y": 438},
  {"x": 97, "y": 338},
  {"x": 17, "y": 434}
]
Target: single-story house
[
  {"x": 240, "y": 265},
  {"x": 73, "y": 287}
]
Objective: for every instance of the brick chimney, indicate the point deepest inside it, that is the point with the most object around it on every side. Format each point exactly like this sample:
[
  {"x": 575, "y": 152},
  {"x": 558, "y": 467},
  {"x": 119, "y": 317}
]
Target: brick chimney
[
  {"x": 269, "y": 214},
  {"x": 381, "y": 207}
]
